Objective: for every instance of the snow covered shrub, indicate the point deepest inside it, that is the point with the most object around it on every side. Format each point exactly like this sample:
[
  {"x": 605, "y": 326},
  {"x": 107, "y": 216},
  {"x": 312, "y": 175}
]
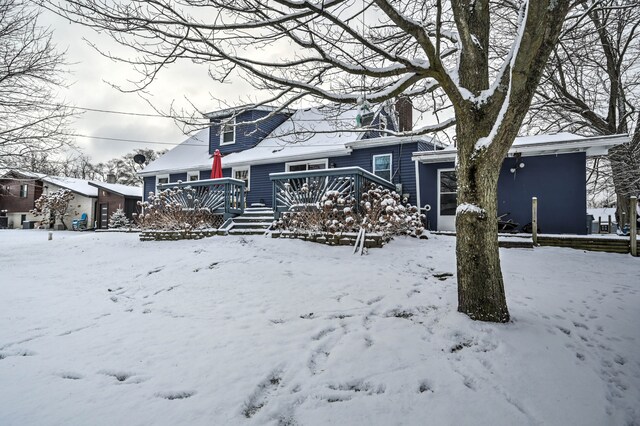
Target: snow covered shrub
[
  {"x": 385, "y": 212},
  {"x": 380, "y": 211},
  {"x": 53, "y": 206},
  {"x": 119, "y": 220},
  {"x": 334, "y": 213},
  {"x": 175, "y": 209}
]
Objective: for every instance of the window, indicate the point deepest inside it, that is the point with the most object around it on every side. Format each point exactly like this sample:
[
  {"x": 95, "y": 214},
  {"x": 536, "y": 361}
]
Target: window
[
  {"x": 24, "y": 190},
  {"x": 382, "y": 166},
  {"x": 23, "y": 218},
  {"x": 161, "y": 179},
  {"x": 382, "y": 122},
  {"x": 448, "y": 192},
  {"x": 228, "y": 133},
  {"x": 301, "y": 166},
  {"x": 193, "y": 176},
  {"x": 242, "y": 173}
]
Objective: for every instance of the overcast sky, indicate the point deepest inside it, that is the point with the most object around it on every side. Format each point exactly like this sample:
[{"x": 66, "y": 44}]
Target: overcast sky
[{"x": 90, "y": 75}]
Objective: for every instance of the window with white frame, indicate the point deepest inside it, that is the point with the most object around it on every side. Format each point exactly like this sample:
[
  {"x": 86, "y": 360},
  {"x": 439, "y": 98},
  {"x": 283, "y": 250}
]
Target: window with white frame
[
  {"x": 191, "y": 176},
  {"x": 242, "y": 173},
  {"x": 382, "y": 166},
  {"x": 301, "y": 166},
  {"x": 228, "y": 132},
  {"x": 161, "y": 179}
]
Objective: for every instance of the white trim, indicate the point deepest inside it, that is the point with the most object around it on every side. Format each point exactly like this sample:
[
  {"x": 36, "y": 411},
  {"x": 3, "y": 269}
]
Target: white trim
[
  {"x": 392, "y": 140},
  {"x": 231, "y": 163},
  {"x": 324, "y": 161},
  {"x": 242, "y": 168},
  {"x": 597, "y": 145},
  {"x": 195, "y": 173},
  {"x": 222, "y": 132},
  {"x": 158, "y": 177},
  {"x": 417, "y": 175},
  {"x": 373, "y": 165},
  {"x": 438, "y": 215}
]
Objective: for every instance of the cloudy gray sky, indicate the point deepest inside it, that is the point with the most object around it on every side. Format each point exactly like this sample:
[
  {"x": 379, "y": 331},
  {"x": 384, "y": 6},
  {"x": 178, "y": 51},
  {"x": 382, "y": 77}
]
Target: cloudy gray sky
[{"x": 90, "y": 74}]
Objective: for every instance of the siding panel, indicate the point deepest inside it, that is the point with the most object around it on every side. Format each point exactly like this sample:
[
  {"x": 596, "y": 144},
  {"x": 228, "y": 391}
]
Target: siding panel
[{"x": 557, "y": 180}]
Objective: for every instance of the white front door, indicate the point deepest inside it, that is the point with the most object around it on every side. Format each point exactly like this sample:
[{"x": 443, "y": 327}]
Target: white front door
[{"x": 447, "y": 199}]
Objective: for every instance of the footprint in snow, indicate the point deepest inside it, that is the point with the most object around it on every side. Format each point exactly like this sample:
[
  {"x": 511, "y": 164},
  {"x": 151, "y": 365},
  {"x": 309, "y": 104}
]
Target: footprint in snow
[
  {"x": 71, "y": 376},
  {"x": 261, "y": 394},
  {"x": 155, "y": 271},
  {"x": 120, "y": 376},
  {"x": 175, "y": 395}
]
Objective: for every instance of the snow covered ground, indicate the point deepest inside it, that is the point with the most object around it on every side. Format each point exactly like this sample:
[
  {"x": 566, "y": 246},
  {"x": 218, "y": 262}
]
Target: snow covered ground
[{"x": 102, "y": 329}]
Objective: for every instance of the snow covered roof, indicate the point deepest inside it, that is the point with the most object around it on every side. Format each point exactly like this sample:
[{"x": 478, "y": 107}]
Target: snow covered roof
[
  {"x": 308, "y": 133},
  {"x": 79, "y": 186},
  {"x": 234, "y": 110},
  {"x": 559, "y": 143},
  {"x": 192, "y": 154},
  {"x": 126, "y": 190}
]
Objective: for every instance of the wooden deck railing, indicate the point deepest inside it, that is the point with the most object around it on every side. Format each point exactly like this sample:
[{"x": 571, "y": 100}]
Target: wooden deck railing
[
  {"x": 222, "y": 196},
  {"x": 302, "y": 189}
]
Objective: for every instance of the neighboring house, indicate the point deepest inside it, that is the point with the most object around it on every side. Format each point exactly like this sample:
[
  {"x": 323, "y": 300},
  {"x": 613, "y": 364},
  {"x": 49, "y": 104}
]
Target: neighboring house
[
  {"x": 22, "y": 189},
  {"x": 112, "y": 196},
  {"x": 257, "y": 151},
  {"x": 18, "y": 193}
]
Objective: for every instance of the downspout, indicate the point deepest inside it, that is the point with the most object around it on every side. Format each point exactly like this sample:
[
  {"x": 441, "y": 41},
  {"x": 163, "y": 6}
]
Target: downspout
[{"x": 417, "y": 184}]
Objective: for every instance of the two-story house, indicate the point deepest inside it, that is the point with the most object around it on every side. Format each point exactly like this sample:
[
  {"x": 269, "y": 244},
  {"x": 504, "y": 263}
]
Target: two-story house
[{"x": 264, "y": 145}]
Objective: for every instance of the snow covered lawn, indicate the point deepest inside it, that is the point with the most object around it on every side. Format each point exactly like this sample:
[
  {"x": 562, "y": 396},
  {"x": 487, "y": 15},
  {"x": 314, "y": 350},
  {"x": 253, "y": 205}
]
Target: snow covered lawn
[{"x": 102, "y": 329}]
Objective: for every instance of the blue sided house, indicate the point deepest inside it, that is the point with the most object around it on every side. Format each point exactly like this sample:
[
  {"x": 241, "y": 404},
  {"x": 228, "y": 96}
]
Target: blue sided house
[{"x": 270, "y": 151}]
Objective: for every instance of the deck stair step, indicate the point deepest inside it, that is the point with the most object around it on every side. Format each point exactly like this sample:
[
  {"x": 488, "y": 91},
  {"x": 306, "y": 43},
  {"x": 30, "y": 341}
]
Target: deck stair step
[{"x": 254, "y": 221}]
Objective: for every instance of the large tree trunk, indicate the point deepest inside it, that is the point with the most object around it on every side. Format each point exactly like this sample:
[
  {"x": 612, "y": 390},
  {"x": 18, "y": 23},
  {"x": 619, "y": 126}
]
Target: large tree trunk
[{"x": 480, "y": 284}]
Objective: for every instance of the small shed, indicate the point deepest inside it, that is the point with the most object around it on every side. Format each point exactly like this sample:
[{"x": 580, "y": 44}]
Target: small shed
[{"x": 114, "y": 196}]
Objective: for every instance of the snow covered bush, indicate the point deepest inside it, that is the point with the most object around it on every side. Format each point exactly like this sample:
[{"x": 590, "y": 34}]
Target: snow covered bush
[
  {"x": 385, "y": 212},
  {"x": 176, "y": 209},
  {"x": 53, "y": 207},
  {"x": 380, "y": 211},
  {"x": 119, "y": 220}
]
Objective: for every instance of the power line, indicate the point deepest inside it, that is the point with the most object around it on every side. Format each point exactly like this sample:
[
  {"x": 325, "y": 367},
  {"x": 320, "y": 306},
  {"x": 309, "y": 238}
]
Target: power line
[
  {"x": 137, "y": 140},
  {"x": 299, "y": 144},
  {"x": 178, "y": 117}
]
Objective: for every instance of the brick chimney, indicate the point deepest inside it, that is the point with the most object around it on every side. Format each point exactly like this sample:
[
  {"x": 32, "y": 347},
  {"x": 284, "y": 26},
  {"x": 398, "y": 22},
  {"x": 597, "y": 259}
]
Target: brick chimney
[
  {"x": 111, "y": 178},
  {"x": 404, "y": 109}
]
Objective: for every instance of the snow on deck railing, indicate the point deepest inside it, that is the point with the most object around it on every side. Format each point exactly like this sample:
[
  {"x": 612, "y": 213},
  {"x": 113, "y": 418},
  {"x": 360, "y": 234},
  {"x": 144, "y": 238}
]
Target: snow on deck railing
[
  {"x": 223, "y": 195},
  {"x": 292, "y": 189}
]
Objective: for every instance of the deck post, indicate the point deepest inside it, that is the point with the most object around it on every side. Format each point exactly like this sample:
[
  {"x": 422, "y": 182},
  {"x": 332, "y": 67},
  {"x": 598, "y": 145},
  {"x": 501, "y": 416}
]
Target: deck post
[
  {"x": 274, "y": 203},
  {"x": 227, "y": 201},
  {"x": 534, "y": 220},
  {"x": 633, "y": 226}
]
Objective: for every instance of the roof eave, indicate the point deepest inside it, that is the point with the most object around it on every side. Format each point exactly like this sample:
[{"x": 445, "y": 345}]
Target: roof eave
[{"x": 593, "y": 146}]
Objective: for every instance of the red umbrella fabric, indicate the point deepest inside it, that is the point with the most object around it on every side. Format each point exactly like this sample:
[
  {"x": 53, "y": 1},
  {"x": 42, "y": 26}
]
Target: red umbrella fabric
[{"x": 216, "y": 169}]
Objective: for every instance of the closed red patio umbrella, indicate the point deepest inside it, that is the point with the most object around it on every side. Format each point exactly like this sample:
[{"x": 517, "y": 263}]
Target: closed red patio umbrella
[{"x": 216, "y": 169}]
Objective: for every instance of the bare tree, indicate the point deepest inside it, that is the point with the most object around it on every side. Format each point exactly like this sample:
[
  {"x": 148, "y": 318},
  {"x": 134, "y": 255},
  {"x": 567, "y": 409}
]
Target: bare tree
[
  {"x": 30, "y": 72},
  {"x": 484, "y": 58},
  {"x": 591, "y": 86}
]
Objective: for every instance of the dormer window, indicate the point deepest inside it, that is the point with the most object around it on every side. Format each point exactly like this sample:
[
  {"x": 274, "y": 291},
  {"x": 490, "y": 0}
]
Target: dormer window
[
  {"x": 382, "y": 123},
  {"x": 228, "y": 133}
]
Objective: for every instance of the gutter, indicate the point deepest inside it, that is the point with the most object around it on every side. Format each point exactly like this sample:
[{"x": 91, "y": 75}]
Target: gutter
[{"x": 530, "y": 149}]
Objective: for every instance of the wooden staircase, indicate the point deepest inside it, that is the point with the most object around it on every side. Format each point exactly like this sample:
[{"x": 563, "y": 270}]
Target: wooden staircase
[{"x": 254, "y": 221}]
